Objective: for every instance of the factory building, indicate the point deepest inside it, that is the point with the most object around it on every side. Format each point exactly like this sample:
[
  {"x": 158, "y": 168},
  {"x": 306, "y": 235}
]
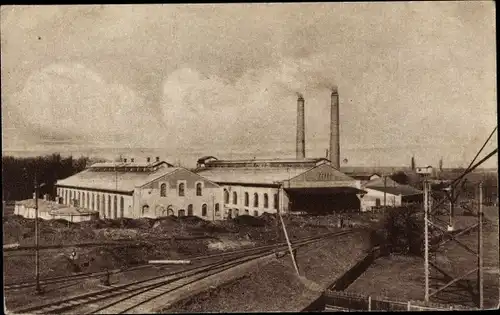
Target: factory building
[
  {"x": 386, "y": 192},
  {"x": 49, "y": 209},
  {"x": 313, "y": 185},
  {"x": 130, "y": 189}
]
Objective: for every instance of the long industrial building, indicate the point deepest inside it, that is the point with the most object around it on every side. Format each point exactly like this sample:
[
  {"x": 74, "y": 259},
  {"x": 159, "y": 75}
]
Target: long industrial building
[
  {"x": 141, "y": 189},
  {"x": 219, "y": 189},
  {"x": 313, "y": 185}
]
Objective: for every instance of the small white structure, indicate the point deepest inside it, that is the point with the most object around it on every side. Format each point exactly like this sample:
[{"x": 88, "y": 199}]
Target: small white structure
[
  {"x": 48, "y": 210},
  {"x": 427, "y": 170},
  {"x": 386, "y": 190}
]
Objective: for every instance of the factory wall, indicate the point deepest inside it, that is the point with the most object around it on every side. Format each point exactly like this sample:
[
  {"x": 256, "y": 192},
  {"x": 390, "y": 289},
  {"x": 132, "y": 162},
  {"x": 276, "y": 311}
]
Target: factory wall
[
  {"x": 180, "y": 193},
  {"x": 29, "y": 212},
  {"x": 369, "y": 200},
  {"x": 110, "y": 205},
  {"x": 241, "y": 207}
]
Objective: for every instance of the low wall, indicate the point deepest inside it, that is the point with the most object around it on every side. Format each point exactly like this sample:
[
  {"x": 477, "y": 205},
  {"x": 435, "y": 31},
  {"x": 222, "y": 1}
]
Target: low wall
[{"x": 345, "y": 300}]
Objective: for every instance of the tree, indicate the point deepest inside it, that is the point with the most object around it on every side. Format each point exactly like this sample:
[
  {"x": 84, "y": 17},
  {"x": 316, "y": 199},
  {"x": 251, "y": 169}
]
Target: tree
[
  {"x": 400, "y": 178},
  {"x": 413, "y": 163},
  {"x": 401, "y": 231}
]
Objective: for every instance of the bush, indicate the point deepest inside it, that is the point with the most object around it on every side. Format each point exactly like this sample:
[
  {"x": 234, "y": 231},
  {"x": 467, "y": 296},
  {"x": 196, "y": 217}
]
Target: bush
[{"x": 401, "y": 232}]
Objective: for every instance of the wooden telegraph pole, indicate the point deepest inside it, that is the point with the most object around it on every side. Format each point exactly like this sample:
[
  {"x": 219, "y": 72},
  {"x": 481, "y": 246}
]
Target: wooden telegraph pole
[
  {"x": 426, "y": 240},
  {"x": 480, "y": 248},
  {"x": 385, "y": 188},
  {"x": 38, "y": 289}
]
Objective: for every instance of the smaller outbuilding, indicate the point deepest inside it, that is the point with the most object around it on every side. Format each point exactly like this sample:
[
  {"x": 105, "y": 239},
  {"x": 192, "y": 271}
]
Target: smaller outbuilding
[
  {"x": 48, "y": 210},
  {"x": 386, "y": 192}
]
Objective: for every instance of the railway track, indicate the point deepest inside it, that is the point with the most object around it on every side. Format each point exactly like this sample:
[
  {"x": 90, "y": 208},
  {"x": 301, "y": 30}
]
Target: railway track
[
  {"x": 89, "y": 275},
  {"x": 128, "y": 297}
]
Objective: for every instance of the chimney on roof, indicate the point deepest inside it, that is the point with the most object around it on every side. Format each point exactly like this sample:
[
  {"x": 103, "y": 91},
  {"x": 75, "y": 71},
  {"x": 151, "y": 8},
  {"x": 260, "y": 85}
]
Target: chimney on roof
[
  {"x": 34, "y": 195},
  {"x": 335, "y": 130},
  {"x": 301, "y": 141},
  {"x": 46, "y": 197},
  {"x": 125, "y": 160},
  {"x": 157, "y": 159},
  {"x": 132, "y": 160},
  {"x": 148, "y": 159}
]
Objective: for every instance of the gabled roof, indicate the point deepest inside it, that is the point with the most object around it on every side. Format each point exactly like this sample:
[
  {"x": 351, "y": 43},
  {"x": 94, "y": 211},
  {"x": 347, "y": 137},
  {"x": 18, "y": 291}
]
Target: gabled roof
[
  {"x": 251, "y": 175},
  {"x": 114, "y": 181},
  {"x": 392, "y": 187},
  {"x": 382, "y": 182}
]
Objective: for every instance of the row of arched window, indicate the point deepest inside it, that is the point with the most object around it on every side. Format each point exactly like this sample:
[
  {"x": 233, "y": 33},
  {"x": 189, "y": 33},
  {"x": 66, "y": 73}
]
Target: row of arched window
[
  {"x": 247, "y": 199},
  {"x": 236, "y": 212},
  {"x": 96, "y": 202},
  {"x": 181, "y": 189},
  {"x": 182, "y": 212}
]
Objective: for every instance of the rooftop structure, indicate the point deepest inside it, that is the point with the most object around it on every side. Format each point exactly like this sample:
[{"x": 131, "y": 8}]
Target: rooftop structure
[
  {"x": 389, "y": 186},
  {"x": 117, "y": 176}
]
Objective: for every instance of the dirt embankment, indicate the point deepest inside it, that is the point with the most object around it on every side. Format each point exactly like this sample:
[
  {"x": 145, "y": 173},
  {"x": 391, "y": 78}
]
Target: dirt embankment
[
  {"x": 276, "y": 286},
  {"x": 143, "y": 239}
]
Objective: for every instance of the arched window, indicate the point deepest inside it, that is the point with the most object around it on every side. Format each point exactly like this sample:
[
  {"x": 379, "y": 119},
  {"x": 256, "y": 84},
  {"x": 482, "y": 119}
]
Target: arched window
[
  {"x": 170, "y": 211},
  {"x": 190, "y": 209},
  {"x": 235, "y": 198},
  {"x": 266, "y": 201},
  {"x": 93, "y": 201},
  {"x": 79, "y": 200},
  {"x": 163, "y": 190},
  {"x": 226, "y": 196},
  {"x": 276, "y": 201},
  {"x": 181, "y": 190},
  {"x": 217, "y": 210},
  {"x": 145, "y": 209},
  {"x": 115, "y": 207},
  {"x": 122, "y": 207},
  {"x": 181, "y": 213},
  {"x": 198, "y": 189},
  {"x": 247, "y": 212},
  {"x": 204, "y": 210},
  {"x": 255, "y": 200},
  {"x": 109, "y": 206},
  {"x": 247, "y": 199},
  {"x": 66, "y": 197},
  {"x": 103, "y": 206},
  {"x": 256, "y": 213},
  {"x": 98, "y": 203},
  {"x": 87, "y": 203},
  {"x": 236, "y": 212}
]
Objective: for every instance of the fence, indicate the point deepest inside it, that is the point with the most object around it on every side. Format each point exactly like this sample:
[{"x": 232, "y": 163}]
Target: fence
[{"x": 345, "y": 300}]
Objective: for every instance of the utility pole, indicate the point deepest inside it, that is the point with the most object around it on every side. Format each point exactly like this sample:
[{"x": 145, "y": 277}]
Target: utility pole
[
  {"x": 213, "y": 208},
  {"x": 385, "y": 188},
  {"x": 480, "y": 248},
  {"x": 38, "y": 289},
  {"x": 426, "y": 241}
]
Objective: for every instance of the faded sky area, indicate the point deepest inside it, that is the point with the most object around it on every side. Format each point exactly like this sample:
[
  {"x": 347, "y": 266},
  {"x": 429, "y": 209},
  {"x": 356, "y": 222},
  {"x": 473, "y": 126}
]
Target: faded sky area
[{"x": 413, "y": 78}]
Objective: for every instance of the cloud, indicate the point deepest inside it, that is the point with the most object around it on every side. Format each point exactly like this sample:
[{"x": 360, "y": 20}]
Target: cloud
[
  {"x": 71, "y": 99},
  {"x": 214, "y": 79}
]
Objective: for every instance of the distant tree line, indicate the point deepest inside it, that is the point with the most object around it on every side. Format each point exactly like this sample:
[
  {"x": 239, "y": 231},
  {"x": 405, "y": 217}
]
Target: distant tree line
[{"x": 18, "y": 174}]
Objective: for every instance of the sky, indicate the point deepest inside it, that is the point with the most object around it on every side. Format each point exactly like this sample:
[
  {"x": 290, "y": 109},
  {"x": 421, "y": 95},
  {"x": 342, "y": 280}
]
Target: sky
[{"x": 413, "y": 79}]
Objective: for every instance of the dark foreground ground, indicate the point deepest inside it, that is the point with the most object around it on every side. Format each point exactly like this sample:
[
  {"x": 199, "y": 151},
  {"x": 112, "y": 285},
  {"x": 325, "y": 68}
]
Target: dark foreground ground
[{"x": 402, "y": 277}]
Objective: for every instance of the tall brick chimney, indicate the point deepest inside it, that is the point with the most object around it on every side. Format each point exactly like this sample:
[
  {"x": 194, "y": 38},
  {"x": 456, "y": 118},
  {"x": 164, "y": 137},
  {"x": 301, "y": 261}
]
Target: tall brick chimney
[
  {"x": 335, "y": 130},
  {"x": 301, "y": 141}
]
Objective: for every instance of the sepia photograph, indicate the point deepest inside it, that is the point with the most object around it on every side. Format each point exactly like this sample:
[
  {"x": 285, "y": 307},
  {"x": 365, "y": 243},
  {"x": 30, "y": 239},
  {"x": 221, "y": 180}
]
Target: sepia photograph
[{"x": 249, "y": 157}]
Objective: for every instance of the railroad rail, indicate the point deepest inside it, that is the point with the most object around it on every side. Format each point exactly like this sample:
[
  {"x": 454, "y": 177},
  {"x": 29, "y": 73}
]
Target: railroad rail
[
  {"x": 134, "y": 294},
  {"x": 89, "y": 275}
]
